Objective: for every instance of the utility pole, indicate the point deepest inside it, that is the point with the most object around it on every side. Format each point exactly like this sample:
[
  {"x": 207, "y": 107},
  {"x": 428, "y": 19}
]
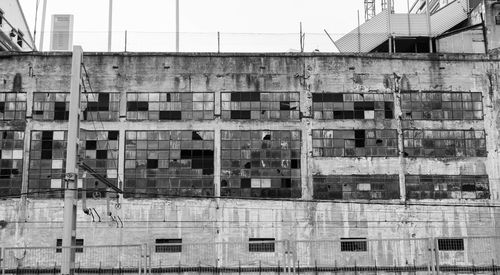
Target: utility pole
[
  {"x": 110, "y": 24},
  {"x": 71, "y": 177},
  {"x": 42, "y": 31},
  {"x": 177, "y": 25}
]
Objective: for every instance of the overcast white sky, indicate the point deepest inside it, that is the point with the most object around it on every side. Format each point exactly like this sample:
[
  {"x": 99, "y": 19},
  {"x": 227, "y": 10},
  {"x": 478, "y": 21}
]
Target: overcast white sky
[{"x": 151, "y": 23}]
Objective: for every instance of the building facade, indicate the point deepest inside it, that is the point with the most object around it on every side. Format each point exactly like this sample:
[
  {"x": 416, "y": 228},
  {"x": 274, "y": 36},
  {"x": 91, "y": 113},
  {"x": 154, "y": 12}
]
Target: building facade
[{"x": 229, "y": 147}]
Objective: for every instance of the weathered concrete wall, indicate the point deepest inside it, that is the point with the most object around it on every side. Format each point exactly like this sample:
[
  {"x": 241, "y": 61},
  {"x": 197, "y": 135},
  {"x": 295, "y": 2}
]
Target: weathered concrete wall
[{"x": 38, "y": 222}]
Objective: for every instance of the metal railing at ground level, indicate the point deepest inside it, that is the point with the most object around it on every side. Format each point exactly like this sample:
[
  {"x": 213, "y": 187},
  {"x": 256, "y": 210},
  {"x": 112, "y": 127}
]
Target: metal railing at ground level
[{"x": 446, "y": 255}]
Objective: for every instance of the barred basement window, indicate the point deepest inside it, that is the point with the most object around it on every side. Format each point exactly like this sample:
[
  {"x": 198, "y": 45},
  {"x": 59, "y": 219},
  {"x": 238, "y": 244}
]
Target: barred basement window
[
  {"x": 96, "y": 106},
  {"x": 351, "y": 187},
  {"x": 442, "y": 105},
  {"x": 47, "y": 163},
  {"x": 355, "y": 143},
  {"x": 328, "y": 106},
  {"x": 100, "y": 151},
  {"x": 261, "y": 245},
  {"x": 261, "y": 105},
  {"x": 170, "y": 106},
  {"x": 79, "y": 242},
  {"x": 168, "y": 245},
  {"x": 444, "y": 143},
  {"x": 169, "y": 163},
  {"x": 452, "y": 244},
  {"x": 12, "y": 106},
  {"x": 261, "y": 164},
  {"x": 447, "y": 187},
  {"x": 11, "y": 162},
  {"x": 353, "y": 245}
]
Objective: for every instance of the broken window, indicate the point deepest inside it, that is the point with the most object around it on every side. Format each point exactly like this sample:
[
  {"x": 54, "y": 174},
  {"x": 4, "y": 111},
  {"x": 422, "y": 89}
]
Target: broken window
[
  {"x": 442, "y": 105},
  {"x": 261, "y": 164},
  {"x": 170, "y": 106},
  {"x": 11, "y": 162},
  {"x": 444, "y": 143},
  {"x": 96, "y": 106},
  {"x": 12, "y": 106},
  {"x": 355, "y": 143},
  {"x": 261, "y": 245},
  {"x": 353, "y": 245},
  {"x": 168, "y": 245},
  {"x": 169, "y": 163},
  {"x": 447, "y": 187},
  {"x": 351, "y": 187},
  {"x": 328, "y": 106},
  {"x": 100, "y": 152},
  {"x": 47, "y": 163},
  {"x": 261, "y": 105},
  {"x": 101, "y": 106}
]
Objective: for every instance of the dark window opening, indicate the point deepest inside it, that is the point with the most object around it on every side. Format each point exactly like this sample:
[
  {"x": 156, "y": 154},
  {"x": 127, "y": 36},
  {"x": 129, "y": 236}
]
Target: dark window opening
[
  {"x": 196, "y": 136},
  {"x": 451, "y": 244},
  {"x": 168, "y": 245},
  {"x": 353, "y": 244},
  {"x": 285, "y": 105},
  {"x": 91, "y": 145},
  {"x": 113, "y": 135},
  {"x": 152, "y": 163},
  {"x": 261, "y": 245},
  {"x": 241, "y": 115},
  {"x": 2, "y": 107},
  {"x": 497, "y": 19},
  {"x": 79, "y": 242},
  {"x": 102, "y": 154},
  {"x": 138, "y": 106},
  {"x": 170, "y": 115},
  {"x": 245, "y": 96}
]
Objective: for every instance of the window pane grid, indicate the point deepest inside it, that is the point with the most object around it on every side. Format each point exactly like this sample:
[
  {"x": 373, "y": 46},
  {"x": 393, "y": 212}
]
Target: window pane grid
[
  {"x": 442, "y": 105},
  {"x": 444, "y": 143},
  {"x": 170, "y": 106},
  {"x": 95, "y": 106},
  {"x": 328, "y": 106},
  {"x": 12, "y": 106},
  {"x": 260, "y": 105},
  {"x": 351, "y": 187},
  {"x": 355, "y": 143},
  {"x": 447, "y": 187},
  {"x": 11, "y": 162},
  {"x": 261, "y": 164},
  {"x": 100, "y": 151},
  {"x": 47, "y": 163},
  {"x": 169, "y": 163}
]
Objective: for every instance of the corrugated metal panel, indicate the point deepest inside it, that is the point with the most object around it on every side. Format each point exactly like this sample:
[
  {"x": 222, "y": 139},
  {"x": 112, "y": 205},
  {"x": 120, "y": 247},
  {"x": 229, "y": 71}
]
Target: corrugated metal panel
[
  {"x": 418, "y": 25},
  {"x": 448, "y": 17},
  {"x": 373, "y": 33}
]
